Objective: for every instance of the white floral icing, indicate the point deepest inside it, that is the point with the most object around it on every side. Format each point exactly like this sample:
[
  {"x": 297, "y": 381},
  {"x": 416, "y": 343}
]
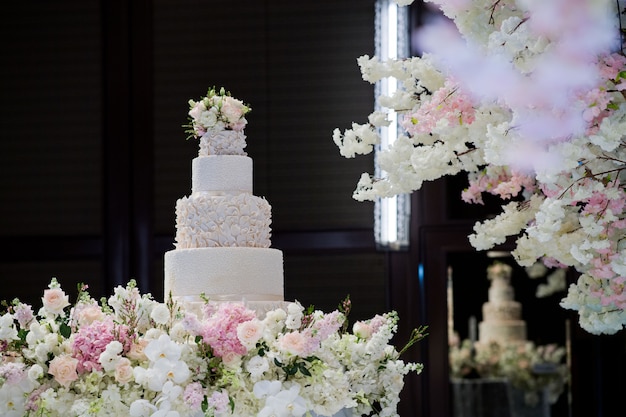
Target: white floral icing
[
  {"x": 222, "y": 142},
  {"x": 204, "y": 220}
]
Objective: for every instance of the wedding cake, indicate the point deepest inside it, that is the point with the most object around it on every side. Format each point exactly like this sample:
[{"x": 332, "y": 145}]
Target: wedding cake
[
  {"x": 501, "y": 314},
  {"x": 222, "y": 250}
]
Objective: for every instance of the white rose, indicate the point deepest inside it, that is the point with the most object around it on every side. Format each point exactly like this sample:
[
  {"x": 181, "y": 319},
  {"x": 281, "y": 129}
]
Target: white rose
[
  {"x": 108, "y": 360},
  {"x": 257, "y": 366},
  {"x": 35, "y": 372}
]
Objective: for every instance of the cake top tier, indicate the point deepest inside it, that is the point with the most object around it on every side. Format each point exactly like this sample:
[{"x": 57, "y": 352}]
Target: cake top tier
[
  {"x": 218, "y": 121},
  {"x": 499, "y": 272}
]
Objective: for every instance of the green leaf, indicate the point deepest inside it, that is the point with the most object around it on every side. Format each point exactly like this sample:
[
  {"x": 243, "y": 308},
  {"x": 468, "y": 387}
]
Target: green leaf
[
  {"x": 22, "y": 333},
  {"x": 65, "y": 330},
  {"x": 303, "y": 370}
]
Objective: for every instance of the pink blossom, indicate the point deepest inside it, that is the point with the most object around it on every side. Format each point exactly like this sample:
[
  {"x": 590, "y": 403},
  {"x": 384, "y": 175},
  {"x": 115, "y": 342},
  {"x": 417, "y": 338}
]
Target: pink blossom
[{"x": 448, "y": 103}]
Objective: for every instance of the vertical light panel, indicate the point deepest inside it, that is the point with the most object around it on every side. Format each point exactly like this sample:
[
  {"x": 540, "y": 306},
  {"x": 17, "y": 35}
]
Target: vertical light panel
[{"x": 392, "y": 213}]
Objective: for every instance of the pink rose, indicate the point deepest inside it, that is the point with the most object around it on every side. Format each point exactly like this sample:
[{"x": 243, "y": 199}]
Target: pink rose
[
  {"x": 250, "y": 332},
  {"x": 63, "y": 368},
  {"x": 231, "y": 359},
  {"x": 362, "y": 330},
  {"x": 123, "y": 371},
  {"x": 137, "y": 350},
  {"x": 88, "y": 314},
  {"x": 55, "y": 300},
  {"x": 232, "y": 109},
  {"x": 293, "y": 343}
]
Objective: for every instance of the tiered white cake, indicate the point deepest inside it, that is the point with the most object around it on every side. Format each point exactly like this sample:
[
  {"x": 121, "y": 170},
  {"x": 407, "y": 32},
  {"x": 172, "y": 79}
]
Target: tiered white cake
[
  {"x": 501, "y": 314},
  {"x": 222, "y": 230}
]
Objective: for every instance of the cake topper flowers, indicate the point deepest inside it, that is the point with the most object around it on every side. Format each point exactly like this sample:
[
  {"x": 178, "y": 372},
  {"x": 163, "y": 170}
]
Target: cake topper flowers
[
  {"x": 216, "y": 111},
  {"x": 130, "y": 355},
  {"x": 218, "y": 120},
  {"x": 511, "y": 96}
]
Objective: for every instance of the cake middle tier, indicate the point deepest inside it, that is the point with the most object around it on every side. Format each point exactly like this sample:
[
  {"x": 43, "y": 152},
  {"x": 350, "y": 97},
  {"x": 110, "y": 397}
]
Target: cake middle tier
[
  {"x": 504, "y": 310},
  {"x": 229, "y": 220},
  {"x": 225, "y": 274},
  {"x": 221, "y": 173}
]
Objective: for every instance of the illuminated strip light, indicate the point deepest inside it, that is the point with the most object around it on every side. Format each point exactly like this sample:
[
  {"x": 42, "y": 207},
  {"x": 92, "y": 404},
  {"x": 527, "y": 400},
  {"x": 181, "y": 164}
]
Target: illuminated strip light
[{"x": 391, "y": 222}]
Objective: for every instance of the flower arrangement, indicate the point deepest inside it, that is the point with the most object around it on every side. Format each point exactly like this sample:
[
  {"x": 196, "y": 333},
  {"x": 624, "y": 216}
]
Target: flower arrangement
[
  {"x": 216, "y": 111},
  {"x": 529, "y": 368},
  {"x": 506, "y": 93},
  {"x": 133, "y": 356}
]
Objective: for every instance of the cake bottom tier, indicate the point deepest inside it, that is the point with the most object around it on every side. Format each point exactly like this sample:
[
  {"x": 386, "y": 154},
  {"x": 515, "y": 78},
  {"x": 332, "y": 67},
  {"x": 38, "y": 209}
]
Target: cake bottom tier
[
  {"x": 225, "y": 274},
  {"x": 502, "y": 331}
]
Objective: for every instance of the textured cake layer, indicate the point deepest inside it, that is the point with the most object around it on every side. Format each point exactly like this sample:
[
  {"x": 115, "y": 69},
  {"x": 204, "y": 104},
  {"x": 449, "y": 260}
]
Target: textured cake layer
[
  {"x": 502, "y": 331},
  {"x": 221, "y": 173},
  {"x": 204, "y": 220},
  {"x": 253, "y": 274},
  {"x": 222, "y": 142},
  {"x": 502, "y": 311}
]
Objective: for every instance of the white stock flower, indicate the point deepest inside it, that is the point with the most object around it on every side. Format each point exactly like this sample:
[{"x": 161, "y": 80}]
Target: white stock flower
[
  {"x": 160, "y": 314},
  {"x": 294, "y": 316},
  {"x": 8, "y": 331}
]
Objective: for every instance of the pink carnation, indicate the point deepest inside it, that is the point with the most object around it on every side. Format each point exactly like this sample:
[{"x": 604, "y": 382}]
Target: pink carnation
[{"x": 220, "y": 329}]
